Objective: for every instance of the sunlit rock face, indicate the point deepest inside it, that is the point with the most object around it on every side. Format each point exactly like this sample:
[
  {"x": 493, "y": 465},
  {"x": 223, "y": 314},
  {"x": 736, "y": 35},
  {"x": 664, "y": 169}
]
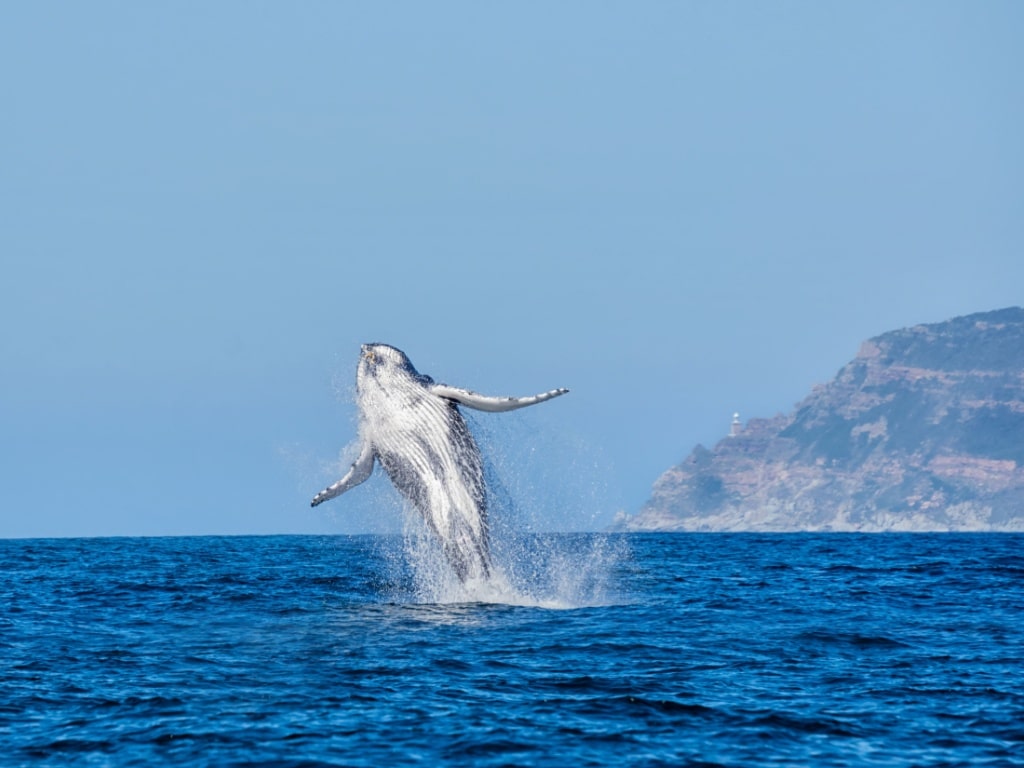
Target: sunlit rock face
[{"x": 922, "y": 431}]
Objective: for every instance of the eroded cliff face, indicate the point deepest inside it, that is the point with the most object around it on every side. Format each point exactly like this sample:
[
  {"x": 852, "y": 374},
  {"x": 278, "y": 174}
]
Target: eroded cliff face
[{"x": 922, "y": 431}]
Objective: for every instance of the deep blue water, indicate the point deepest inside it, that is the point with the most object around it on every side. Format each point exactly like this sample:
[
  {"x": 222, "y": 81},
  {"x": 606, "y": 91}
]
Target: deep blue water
[{"x": 667, "y": 650}]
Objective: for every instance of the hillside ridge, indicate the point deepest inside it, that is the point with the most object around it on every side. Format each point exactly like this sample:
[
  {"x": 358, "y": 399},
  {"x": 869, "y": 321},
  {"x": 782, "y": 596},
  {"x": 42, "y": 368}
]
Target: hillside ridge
[{"x": 922, "y": 431}]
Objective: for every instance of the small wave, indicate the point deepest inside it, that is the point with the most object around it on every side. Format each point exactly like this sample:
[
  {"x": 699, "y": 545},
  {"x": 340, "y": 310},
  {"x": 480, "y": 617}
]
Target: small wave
[
  {"x": 64, "y": 746},
  {"x": 483, "y": 748},
  {"x": 859, "y": 641},
  {"x": 775, "y": 722},
  {"x": 668, "y": 706},
  {"x": 651, "y": 709}
]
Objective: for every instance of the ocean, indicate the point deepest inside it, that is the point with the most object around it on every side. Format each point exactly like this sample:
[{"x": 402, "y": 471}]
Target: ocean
[{"x": 634, "y": 650}]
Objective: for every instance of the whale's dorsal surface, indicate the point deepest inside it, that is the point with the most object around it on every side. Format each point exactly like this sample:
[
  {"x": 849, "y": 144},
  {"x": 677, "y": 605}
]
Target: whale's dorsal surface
[{"x": 412, "y": 426}]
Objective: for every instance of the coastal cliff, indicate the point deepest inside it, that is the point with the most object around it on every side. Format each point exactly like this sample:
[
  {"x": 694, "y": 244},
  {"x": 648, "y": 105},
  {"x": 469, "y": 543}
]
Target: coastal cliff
[{"x": 922, "y": 431}]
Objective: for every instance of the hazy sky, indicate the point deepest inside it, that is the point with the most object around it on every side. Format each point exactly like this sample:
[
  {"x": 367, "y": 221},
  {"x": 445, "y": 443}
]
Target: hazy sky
[{"x": 677, "y": 210}]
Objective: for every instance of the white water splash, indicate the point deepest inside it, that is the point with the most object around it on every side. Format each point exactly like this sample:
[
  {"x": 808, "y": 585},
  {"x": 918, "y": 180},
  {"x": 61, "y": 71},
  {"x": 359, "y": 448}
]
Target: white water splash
[
  {"x": 553, "y": 571},
  {"x": 532, "y": 565}
]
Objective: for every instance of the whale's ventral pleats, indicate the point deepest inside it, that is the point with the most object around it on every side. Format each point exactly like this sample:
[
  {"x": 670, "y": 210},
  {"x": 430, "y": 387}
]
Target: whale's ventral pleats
[{"x": 413, "y": 428}]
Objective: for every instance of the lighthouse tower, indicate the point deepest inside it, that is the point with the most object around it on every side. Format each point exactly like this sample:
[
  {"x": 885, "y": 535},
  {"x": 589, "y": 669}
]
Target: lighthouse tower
[{"x": 736, "y": 427}]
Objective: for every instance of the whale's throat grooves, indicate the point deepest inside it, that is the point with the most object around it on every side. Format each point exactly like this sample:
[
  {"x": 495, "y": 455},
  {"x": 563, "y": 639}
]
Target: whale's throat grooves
[{"x": 423, "y": 443}]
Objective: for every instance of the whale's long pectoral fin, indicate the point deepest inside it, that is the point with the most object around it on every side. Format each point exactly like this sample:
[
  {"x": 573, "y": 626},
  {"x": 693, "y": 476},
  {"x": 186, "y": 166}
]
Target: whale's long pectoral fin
[
  {"x": 491, "y": 404},
  {"x": 361, "y": 469}
]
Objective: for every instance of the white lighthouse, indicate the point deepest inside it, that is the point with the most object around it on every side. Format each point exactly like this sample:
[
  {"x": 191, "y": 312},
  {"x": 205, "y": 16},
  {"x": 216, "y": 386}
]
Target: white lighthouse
[{"x": 736, "y": 427}]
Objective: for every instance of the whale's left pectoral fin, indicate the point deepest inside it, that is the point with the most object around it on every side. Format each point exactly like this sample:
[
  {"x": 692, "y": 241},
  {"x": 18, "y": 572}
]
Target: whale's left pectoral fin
[
  {"x": 361, "y": 469},
  {"x": 492, "y": 404}
]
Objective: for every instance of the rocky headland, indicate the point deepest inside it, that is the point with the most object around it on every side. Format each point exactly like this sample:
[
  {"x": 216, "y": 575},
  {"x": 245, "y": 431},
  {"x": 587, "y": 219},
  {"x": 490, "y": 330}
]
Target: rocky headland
[{"x": 922, "y": 431}]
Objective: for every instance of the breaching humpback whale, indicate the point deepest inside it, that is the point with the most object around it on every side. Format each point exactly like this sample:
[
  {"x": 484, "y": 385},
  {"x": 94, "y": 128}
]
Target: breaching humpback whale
[{"x": 413, "y": 427}]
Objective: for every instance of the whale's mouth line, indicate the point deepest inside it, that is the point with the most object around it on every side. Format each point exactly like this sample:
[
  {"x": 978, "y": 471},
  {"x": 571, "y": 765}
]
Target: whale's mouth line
[{"x": 370, "y": 358}]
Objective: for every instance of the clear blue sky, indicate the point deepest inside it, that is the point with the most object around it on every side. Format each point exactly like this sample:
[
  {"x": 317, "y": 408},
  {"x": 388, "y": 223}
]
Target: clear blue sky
[{"x": 677, "y": 210}]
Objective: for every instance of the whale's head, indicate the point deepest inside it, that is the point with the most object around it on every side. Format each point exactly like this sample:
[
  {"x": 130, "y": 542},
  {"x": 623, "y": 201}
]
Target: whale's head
[{"x": 386, "y": 365}]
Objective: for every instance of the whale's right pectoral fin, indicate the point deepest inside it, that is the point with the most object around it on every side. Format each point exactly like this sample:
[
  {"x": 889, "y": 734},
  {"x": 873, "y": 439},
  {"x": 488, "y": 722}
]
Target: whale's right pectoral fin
[{"x": 360, "y": 470}]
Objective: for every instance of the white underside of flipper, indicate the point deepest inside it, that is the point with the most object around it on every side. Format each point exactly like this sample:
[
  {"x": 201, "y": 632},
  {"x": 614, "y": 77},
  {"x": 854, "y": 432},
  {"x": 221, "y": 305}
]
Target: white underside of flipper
[
  {"x": 489, "y": 403},
  {"x": 360, "y": 470}
]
